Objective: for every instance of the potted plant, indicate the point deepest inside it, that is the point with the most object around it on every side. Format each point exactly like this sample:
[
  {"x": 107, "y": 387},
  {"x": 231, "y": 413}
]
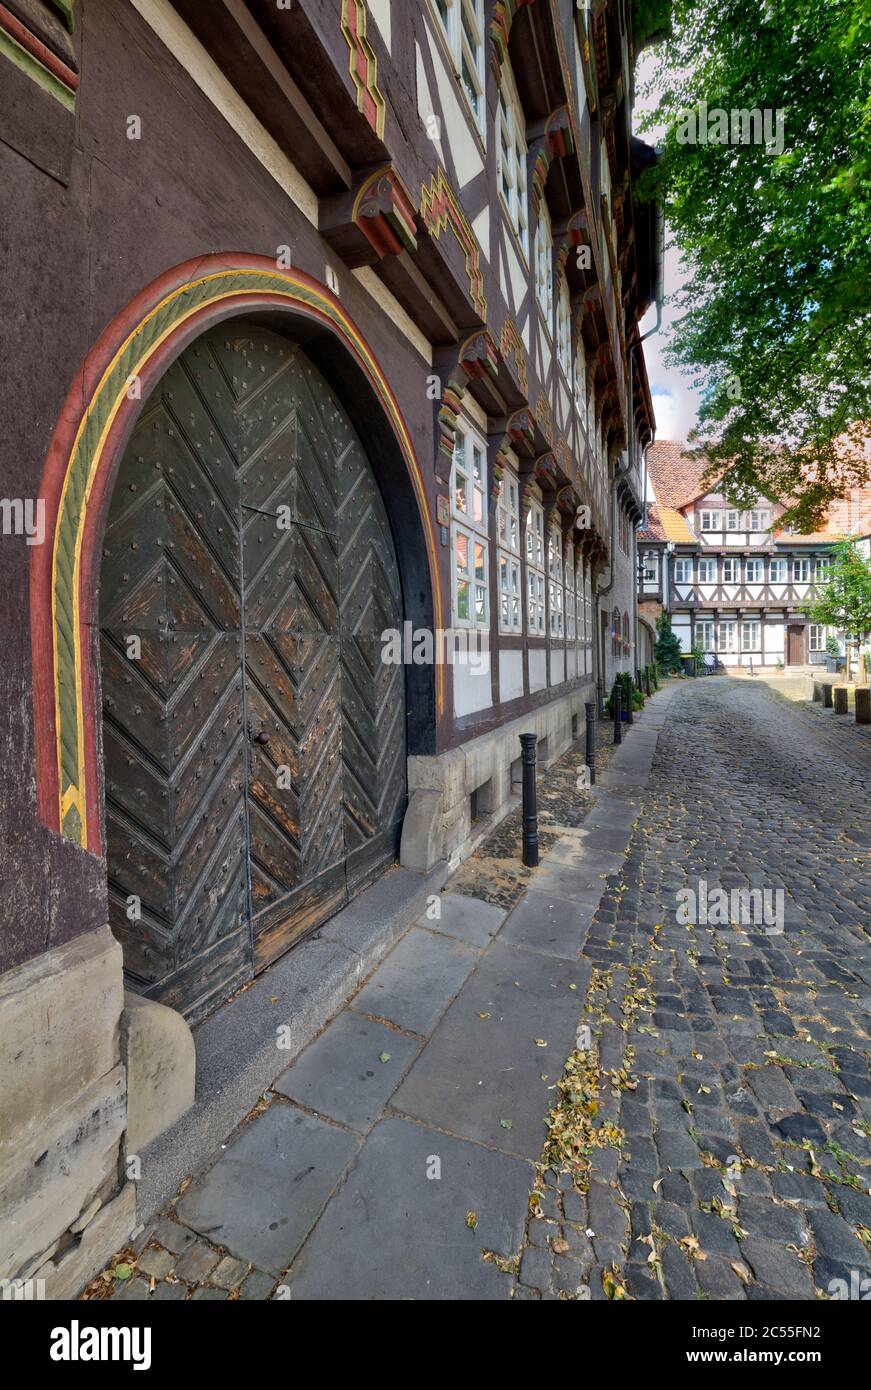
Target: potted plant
[{"x": 833, "y": 652}]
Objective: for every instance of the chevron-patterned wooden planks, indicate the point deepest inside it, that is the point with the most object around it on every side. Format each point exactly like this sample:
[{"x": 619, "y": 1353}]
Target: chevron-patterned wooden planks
[{"x": 255, "y": 748}]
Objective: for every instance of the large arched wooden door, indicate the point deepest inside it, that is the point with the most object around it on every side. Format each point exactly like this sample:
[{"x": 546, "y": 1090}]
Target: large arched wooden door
[{"x": 254, "y": 742}]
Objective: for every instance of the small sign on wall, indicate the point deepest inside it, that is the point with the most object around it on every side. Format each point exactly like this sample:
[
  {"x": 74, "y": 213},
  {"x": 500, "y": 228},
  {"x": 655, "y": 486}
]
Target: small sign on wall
[{"x": 443, "y": 511}]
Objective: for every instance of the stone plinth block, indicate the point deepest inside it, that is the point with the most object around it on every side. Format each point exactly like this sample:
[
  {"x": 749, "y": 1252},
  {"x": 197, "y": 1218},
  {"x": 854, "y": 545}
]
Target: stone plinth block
[{"x": 158, "y": 1050}]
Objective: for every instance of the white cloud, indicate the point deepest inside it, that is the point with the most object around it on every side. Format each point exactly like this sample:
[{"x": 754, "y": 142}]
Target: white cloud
[{"x": 675, "y": 399}]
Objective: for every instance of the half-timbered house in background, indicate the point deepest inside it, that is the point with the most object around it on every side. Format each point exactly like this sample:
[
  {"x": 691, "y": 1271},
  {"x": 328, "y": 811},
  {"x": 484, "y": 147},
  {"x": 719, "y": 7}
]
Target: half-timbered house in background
[
  {"x": 736, "y": 585},
  {"x": 321, "y": 322}
]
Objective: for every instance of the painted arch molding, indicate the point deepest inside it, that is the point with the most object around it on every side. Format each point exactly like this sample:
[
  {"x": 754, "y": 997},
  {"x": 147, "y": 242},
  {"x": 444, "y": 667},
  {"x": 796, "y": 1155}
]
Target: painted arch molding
[{"x": 97, "y": 416}]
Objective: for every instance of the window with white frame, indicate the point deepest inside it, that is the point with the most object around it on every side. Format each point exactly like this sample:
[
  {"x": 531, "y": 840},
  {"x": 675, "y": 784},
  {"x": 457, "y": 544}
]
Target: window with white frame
[
  {"x": 801, "y": 571},
  {"x": 469, "y": 538},
  {"x": 555, "y": 583},
  {"x": 760, "y": 520},
  {"x": 753, "y": 572},
  {"x": 731, "y": 570},
  {"x": 569, "y": 578},
  {"x": 470, "y": 578},
  {"x": 508, "y": 513},
  {"x": 728, "y": 637},
  {"x": 469, "y": 477},
  {"x": 822, "y": 565},
  {"x": 508, "y": 536},
  {"x": 733, "y": 520},
  {"x": 750, "y": 637},
  {"x": 777, "y": 571},
  {"x": 581, "y": 381},
  {"x": 544, "y": 266},
  {"x": 683, "y": 571},
  {"x": 511, "y": 144},
  {"x": 510, "y": 615},
  {"x": 707, "y": 571},
  {"x": 588, "y": 606},
  {"x": 651, "y": 567},
  {"x": 816, "y": 637},
  {"x": 711, "y": 521},
  {"x": 705, "y": 635},
  {"x": 462, "y": 22},
  {"x": 564, "y": 328},
  {"x": 535, "y": 570},
  {"x": 581, "y": 602}
]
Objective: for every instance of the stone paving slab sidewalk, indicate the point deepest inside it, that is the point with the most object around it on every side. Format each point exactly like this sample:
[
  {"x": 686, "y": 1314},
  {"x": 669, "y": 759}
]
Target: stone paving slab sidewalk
[
  {"x": 709, "y": 1137},
  {"x": 395, "y": 1156}
]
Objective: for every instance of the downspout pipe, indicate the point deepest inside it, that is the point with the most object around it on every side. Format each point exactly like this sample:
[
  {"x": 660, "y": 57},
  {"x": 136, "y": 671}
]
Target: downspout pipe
[{"x": 619, "y": 472}]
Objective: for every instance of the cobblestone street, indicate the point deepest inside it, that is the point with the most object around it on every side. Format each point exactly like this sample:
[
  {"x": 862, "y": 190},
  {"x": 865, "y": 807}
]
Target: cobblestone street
[
  {"x": 709, "y": 1138},
  {"x": 741, "y": 1161}
]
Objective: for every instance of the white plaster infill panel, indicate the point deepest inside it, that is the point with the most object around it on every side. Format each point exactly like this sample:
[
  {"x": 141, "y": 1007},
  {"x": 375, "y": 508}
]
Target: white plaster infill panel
[
  {"x": 426, "y": 107},
  {"x": 481, "y": 228},
  {"x": 456, "y": 133},
  {"x": 380, "y": 12}
]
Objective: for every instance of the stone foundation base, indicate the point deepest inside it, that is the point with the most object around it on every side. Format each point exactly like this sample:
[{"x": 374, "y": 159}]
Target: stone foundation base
[
  {"x": 456, "y": 797},
  {"x": 65, "y": 1206}
]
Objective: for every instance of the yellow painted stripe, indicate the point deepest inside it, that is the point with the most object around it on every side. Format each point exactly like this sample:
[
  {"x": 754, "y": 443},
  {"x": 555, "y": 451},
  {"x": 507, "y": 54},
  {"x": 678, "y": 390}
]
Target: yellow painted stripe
[{"x": 80, "y": 797}]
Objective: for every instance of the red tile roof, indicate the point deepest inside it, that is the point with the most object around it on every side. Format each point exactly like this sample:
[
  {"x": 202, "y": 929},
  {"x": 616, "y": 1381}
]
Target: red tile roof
[
  {"x": 666, "y": 524},
  {"x": 849, "y": 516},
  {"x": 654, "y": 529},
  {"x": 674, "y": 474}
]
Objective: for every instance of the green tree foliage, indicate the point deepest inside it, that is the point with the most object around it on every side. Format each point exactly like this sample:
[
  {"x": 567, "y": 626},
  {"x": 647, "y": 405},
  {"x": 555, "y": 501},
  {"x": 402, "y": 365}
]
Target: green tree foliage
[
  {"x": 844, "y": 600},
  {"x": 775, "y": 321},
  {"x": 668, "y": 652}
]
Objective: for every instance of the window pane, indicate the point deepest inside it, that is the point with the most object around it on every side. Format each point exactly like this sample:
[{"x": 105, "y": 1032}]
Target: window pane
[
  {"x": 469, "y": 85},
  {"x": 463, "y": 599},
  {"x": 462, "y": 543}
]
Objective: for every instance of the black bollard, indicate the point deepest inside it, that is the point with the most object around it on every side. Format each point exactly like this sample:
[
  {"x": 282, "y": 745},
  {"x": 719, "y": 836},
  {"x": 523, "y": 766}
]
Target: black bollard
[
  {"x": 615, "y": 698},
  {"x": 530, "y": 807},
  {"x": 647, "y": 680},
  {"x": 630, "y": 716},
  {"x": 591, "y": 740}
]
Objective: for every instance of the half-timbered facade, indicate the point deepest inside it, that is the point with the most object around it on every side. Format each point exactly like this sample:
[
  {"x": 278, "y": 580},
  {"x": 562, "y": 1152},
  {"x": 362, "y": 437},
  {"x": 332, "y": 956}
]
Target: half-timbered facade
[
  {"x": 735, "y": 585},
  {"x": 325, "y": 390}
]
